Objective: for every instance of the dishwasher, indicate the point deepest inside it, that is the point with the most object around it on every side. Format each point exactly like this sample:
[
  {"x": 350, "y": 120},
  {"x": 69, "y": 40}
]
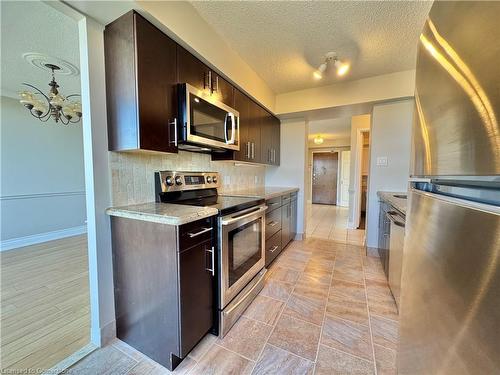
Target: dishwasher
[{"x": 396, "y": 245}]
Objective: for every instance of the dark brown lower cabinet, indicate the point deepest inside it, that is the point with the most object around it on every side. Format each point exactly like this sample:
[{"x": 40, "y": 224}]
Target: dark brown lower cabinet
[
  {"x": 281, "y": 224},
  {"x": 164, "y": 287},
  {"x": 286, "y": 220},
  {"x": 273, "y": 247}
]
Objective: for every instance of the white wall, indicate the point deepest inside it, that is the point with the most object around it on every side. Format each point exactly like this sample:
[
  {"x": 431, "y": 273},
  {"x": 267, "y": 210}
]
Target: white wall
[
  {"x": 390, "y": 137},
  {"x": 292, "y": 169},
  {"x": 42, "y": 186},
  {"x": 384, "y": 87},
  {"x": 361, "y": 122}
]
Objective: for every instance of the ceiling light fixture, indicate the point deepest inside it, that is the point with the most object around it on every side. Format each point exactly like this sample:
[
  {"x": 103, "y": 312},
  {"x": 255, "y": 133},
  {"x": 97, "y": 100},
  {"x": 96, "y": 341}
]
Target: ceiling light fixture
[
  {"x": 318, "y": 140},
  {"x": 331, "y": 57},
  {"x": 52, "y": 105}
]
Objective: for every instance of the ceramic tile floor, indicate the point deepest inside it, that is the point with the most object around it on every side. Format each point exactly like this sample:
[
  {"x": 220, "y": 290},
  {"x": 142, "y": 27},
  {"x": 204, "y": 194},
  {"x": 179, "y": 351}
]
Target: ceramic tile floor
[
  {"x": 330, "y": 223},
  {"x": 325, "y": 309}
]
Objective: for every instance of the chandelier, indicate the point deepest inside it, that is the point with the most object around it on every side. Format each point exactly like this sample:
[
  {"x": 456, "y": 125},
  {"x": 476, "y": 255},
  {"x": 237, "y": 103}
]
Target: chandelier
[{"x": 53, "y": 105}]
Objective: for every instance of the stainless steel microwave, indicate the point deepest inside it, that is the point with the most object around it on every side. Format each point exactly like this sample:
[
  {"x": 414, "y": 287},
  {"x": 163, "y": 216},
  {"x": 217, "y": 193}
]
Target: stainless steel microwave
[{"x": 206, "y": 124}]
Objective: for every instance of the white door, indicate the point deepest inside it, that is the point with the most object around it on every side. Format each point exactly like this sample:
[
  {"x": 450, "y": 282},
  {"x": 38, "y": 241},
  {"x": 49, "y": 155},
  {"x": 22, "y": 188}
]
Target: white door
[{"x": 344, "y": 177}]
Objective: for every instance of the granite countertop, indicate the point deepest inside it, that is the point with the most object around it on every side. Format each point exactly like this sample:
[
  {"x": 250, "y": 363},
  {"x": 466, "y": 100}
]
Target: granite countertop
[
  {"x": 163, "y": 213},
  {"x": 266, "y": 192},
  {"x": 398, "y": 203}
]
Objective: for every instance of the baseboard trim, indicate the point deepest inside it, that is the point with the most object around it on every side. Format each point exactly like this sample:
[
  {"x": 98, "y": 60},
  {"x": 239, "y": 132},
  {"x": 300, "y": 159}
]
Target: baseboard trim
[
  {"x": 299, "y": 236},
  {"x": 108, "y": 333},
  {"x": 71, "y": 360},
  {"x": 34, "y": 239}
]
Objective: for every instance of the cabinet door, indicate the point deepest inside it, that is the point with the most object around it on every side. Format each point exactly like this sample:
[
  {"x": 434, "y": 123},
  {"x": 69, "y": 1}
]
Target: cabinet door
[
  {"x": 266, "y": 137},
  {"x": 222, "y": 90},
  {"x": 285, "y": 224},
  {"x": 293, "y": 221},
  {"x": 191, "y": 70},
  {"x": 242, "y": 105},
  {"x": 196, "y": 290},
  {"x": 156, "y": 83},
  {"x": 254, "y": 132},
  {"x": 276, "y": 139}
]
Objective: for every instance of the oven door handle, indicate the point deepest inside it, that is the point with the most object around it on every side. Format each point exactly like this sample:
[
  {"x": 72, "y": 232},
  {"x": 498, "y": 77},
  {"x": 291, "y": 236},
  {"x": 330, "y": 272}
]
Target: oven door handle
[
  {"x": 243, "y": 299},
  {"x": 238, "y": 218}
]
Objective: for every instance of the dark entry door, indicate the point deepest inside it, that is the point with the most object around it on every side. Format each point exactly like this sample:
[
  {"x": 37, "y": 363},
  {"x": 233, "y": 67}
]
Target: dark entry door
[{"x": 324, "y": 184}]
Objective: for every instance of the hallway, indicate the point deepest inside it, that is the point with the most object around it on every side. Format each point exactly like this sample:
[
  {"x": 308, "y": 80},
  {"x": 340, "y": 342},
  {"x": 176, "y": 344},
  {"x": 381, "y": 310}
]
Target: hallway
[{"x": 330, "y": 223}]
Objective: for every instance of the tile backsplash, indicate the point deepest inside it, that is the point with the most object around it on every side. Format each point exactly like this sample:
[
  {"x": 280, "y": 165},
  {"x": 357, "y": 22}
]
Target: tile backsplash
[{"x": 132, "y": 173}]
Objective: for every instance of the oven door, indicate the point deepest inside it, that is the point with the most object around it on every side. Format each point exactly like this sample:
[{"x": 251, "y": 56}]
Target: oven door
[
  {"x": 209, "y": 122},
  {"x": 242, "y": 250}
]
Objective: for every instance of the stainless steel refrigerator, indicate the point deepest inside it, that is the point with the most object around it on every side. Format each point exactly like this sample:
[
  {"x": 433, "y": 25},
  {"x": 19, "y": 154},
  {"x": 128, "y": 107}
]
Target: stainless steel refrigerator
[{"x": 450, "y": 302}]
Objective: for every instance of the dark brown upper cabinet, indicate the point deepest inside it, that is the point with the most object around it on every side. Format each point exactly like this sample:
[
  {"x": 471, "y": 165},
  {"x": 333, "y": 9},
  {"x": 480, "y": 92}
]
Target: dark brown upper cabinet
[
  {"x": 270, "y": 135},
  {"x": 197, "y": 74},
  {"x": 141, "y": 77},
  {"x": 270, "y": 138},
  {"x": 276, "y": 140},
  {"x": 254, "y": 132},
  {"x": 242, "y": 105}
]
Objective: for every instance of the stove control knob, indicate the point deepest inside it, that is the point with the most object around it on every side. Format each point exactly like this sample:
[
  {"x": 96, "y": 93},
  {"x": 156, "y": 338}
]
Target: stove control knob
[
  {"x": 209, "y": 180},
  {"x": 214, "y": 179},
  {"x": 169, "y": 180},
  {"x": 178, "y": 180}
]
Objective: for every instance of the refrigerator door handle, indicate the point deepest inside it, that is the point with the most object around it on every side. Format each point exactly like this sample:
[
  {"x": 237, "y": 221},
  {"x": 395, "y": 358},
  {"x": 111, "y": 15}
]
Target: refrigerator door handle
[{"x": 461, "y": 202}]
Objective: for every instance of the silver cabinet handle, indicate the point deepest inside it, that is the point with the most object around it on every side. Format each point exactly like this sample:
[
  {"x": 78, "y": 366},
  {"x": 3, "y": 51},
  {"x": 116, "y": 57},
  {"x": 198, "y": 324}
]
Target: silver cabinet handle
[
  {"x": 216, "y": 89},
  {"x": 273, "y": 223},
  {"x": 248, "y": 150},
  {"x": 253, "y": 150},
  {"x": 212, "y": 256},
  {"x": 204, "y": 230},
  {"x": 274, "y": 249},
  {"x": 174, "y": 123},
  {"x": 208, "y": 81}
]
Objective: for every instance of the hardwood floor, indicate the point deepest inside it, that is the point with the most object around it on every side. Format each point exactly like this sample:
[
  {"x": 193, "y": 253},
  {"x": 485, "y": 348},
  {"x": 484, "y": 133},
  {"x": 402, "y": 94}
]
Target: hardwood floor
[
  {"x": 330, "y": 223},
  {"x": 325, "y": 309},
  {"x": 45, "y": 306}
]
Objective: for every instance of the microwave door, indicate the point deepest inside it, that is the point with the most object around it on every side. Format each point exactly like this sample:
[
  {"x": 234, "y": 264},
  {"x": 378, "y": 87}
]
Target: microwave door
[{"x": 208, "y": 122}]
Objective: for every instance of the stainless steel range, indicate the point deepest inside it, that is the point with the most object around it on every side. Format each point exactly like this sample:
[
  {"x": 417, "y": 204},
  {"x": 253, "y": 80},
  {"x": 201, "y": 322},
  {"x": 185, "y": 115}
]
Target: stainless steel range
[{"x": 241, "y": 223}]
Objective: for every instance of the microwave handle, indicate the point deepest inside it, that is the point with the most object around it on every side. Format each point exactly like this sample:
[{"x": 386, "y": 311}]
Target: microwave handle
[{"x": 233, "y": 128}]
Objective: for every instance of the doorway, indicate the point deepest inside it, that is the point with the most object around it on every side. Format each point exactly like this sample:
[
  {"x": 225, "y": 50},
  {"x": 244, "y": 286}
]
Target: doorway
[
  {"x": 45, "y": 293},
  {"x": 324, "y": 178}
]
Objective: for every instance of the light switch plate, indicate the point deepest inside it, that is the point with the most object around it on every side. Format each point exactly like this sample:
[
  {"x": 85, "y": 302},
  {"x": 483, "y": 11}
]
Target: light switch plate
[{"x": 382, "y": 161}]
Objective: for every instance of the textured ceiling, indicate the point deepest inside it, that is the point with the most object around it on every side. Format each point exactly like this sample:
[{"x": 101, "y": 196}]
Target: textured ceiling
[
  {"x": 32, "y": 26},
  {"x": 285, "y": 41},
  {"x": 339, "y": 128}
]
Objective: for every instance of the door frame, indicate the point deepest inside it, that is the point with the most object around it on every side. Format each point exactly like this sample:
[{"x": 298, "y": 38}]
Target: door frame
[
  {"x": 97, "y": 182},
  {"x": 340, "y": 202},
  {"x": 358, "y": 178},
  {"x": 331, "y": 151}
]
